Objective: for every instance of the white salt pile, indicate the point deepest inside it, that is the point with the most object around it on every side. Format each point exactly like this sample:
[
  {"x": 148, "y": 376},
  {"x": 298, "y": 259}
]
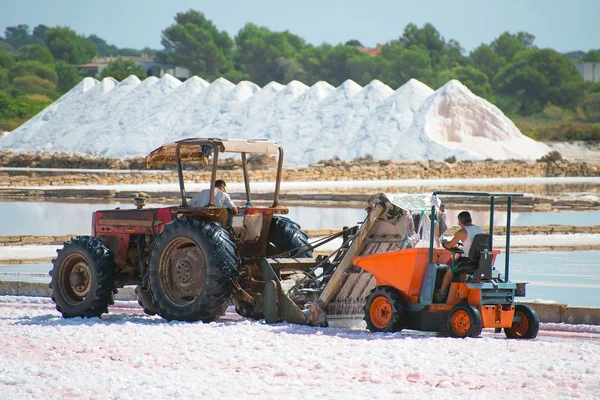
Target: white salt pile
[
  {"x": 132, "y": 118},
  {"x": 453, "y": 116}
]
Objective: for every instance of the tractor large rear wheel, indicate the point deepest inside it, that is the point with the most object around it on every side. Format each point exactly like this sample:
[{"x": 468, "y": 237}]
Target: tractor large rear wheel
[
  {"x": 385, "y": 310},
  {"x": 528, "y": 325},
  {"x": 192, "y": 271},
  {"x": 464, "y": 320},
  {"x": 83, "y": 278}
]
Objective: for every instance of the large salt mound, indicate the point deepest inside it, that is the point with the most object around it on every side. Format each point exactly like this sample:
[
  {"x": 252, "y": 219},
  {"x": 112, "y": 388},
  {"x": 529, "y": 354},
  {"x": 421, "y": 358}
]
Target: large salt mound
[
  {"x": 457, "y": 119},
  {"x": 132, "y": 118}
]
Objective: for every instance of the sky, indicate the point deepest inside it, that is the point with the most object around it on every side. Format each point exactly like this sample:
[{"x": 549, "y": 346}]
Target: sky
[{"x": 557, "y": 24}]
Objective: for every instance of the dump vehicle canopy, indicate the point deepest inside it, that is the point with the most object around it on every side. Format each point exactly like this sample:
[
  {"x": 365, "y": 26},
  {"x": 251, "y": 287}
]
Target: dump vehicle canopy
[{"x": 190, "y": 149}]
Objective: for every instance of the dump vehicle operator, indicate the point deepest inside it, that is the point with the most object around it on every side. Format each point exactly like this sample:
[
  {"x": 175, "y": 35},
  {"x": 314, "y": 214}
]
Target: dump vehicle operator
[
  {"x": 222, "y": 198},
  {"x": 465, "y": 235}
]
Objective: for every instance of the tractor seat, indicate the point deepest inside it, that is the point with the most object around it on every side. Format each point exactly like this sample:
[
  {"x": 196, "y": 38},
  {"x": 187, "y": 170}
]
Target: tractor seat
[{"x": 479, "y": 261}]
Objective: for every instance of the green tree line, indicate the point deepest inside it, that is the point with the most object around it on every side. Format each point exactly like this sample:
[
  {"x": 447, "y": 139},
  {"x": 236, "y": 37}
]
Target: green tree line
[{"x": 37, "y": 66}]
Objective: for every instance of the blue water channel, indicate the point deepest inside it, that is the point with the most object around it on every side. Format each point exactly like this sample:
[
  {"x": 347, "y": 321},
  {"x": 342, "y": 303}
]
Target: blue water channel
[
  {"x": 571, "y": 278},
  {"x": 50, "y": 218},
  {"x": 565, "y": 277}
]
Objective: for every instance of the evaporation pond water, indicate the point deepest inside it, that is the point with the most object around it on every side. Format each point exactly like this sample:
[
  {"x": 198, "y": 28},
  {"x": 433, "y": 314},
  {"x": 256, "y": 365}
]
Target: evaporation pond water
[
  {"x": 54, "y": 218},
  {"x": 564, "y": 277}
]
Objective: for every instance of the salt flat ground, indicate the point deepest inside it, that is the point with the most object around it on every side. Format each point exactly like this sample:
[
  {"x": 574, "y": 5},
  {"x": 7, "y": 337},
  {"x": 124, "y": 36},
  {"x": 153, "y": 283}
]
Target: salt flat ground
[{"x": 127, "y": 354}]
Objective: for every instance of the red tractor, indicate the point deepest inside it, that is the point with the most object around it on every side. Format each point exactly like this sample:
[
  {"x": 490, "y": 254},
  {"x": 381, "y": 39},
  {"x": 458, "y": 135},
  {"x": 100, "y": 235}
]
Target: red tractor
[{"x": 189, "y": 263}]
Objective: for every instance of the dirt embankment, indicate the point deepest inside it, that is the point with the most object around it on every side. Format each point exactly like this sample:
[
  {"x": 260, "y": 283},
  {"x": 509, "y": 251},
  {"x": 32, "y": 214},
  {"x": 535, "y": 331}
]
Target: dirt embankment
[{"x": 331, "y": 170}]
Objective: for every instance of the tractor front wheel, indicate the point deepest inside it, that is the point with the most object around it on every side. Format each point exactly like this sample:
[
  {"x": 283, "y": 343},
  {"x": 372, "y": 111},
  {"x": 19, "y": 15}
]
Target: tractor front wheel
[
  {"x": 83, "y": 278},
  {"x": 526, "y": 327},
  {"x": 464, "y": 320},
  {"x": 192, "y": 271},
  {"x": 384, "y": 310}
]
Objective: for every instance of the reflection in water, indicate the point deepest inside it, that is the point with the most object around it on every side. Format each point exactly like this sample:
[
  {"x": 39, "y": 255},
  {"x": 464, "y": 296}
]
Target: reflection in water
[
  {"x": 564, "y": 277},
  {"x": 48, "y": 218},
  {"x": 36, "y": 273}
]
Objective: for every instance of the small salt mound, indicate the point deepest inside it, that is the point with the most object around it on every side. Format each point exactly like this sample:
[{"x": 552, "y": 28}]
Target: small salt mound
[
  {"x": 295, "y": 124},
  {"x": 391, "y": 120},
  {"x": 85, "y": 85},
  {"x": 242, "y": 92},
  {"x": 131, "y": 80},
  {"x": 247, "y": 120},
  {"x": 457, "y": 119},
  {"x": 203, "y": 109},
  {"x": 222, "y": 125},
  {"x": 292, "y": 91},
  {"x": 374, "y": 93},
  {"x": 316, "y": 94},
  {"x": 174, "y": 104},
  {"x": 344, "y": 138},
  {"x": 318, "y": 134}
]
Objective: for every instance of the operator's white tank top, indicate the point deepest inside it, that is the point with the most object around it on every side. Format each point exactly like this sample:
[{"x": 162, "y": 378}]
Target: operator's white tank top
[{"x": 472, "y": 230}]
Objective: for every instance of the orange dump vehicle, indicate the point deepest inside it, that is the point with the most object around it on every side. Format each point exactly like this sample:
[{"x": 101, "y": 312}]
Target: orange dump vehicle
[{"x": 407, "y": 279}]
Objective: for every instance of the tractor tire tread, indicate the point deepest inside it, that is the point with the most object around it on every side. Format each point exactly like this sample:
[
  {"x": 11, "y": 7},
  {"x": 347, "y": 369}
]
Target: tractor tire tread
[{"x": 103, "y": 264}]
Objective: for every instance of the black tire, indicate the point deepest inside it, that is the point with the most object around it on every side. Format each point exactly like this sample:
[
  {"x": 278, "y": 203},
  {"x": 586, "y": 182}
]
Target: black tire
[
  {"x": 83, "y": 278},
  {"x": 192, "y": 271},
  {"x": 247, "y": 310},
  {"x": 464, "y": 320},
  {"x": 385, "y": 310},
  {"x": 527, "y": 327},
  {"x": 145, "y": 300},
  {"x": 286, "y": 236}
]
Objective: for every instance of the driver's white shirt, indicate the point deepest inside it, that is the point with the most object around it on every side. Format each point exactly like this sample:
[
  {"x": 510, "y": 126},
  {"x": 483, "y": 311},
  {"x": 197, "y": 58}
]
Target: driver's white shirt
[
  {"x": 222, "y": 199},
  {"x": 472, "y": 230}
]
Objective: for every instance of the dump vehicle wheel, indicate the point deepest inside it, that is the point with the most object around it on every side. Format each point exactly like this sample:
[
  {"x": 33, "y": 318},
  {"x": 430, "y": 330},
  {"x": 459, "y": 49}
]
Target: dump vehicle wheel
[
  {"x": 192, "y": 270},
  {"x": 384, "y": 310},
  {"x": 285, "y": 235},
  {"x": 464, "y": 320},
  {"x": 83, "y": 278},
  {"x": 527, "y": 327},
  {"x": 144, "y": 298}
]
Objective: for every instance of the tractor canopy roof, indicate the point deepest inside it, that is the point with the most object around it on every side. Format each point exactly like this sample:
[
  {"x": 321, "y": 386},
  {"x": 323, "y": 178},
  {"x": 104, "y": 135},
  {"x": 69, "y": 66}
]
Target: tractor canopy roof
[{"x": 198, "y": 149}]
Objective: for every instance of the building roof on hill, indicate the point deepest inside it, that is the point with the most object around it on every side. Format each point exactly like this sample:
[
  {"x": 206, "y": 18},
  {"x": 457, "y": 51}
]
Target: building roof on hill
[
  {"x": 101, "y": 61},
  {"x": 371, "y": 51}
]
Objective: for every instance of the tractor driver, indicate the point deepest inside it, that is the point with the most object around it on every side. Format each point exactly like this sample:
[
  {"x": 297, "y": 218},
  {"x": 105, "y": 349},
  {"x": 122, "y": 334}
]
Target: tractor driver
[
  {"x": 222, "y": 199},
  {"x": 465, "y": 235}
]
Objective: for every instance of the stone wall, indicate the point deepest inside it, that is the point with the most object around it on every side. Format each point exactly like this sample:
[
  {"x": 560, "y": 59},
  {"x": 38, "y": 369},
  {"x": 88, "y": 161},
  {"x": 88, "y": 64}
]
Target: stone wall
[{"x": 331, "y": 170}]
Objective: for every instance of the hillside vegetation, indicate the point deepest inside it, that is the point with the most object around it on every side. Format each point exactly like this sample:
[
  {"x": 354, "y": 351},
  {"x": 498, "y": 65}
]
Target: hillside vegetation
[{"x": 540, "y": 89}]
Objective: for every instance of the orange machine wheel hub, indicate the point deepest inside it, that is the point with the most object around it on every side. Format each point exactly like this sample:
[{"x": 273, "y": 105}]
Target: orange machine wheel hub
[
  {"x": 380, "y": 312},
  {"x": 520, "y": 328},
  {"x": 461, "y": 322}
]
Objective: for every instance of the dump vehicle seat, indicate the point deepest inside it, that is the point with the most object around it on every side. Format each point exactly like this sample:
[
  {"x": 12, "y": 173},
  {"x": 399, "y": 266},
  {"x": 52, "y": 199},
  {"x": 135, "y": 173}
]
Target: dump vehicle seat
[{"x": 479, "y": 261}]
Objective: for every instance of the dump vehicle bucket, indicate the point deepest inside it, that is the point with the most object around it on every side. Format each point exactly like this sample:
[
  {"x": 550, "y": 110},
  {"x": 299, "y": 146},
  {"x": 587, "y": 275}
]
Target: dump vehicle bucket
[{"x": 402, "y": 269}]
